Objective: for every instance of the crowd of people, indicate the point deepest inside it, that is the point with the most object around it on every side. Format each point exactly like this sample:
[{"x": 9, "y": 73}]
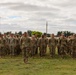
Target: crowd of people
[{"x": 15, "y": 44}]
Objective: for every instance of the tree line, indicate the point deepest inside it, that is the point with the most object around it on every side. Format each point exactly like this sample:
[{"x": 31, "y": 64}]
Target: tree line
[{"x": 38, "y": 33}]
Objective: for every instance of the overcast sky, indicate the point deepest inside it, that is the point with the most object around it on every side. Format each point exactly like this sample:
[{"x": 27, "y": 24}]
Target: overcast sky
[{"x": 23, "y": 15}]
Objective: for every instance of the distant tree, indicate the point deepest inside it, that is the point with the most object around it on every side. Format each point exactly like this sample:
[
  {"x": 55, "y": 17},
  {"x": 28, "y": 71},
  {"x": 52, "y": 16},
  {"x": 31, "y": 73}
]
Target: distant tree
[
  {"x": 48, "y": 35},
  {"x": 7, "y": 33},
  {"x": 37, "y": 33},
  {"x": 66, "y": 33},
  {"x": 20, "y": 32},
  {"x": 29, "y": 32},
  {"x": 59, "y": 33}
]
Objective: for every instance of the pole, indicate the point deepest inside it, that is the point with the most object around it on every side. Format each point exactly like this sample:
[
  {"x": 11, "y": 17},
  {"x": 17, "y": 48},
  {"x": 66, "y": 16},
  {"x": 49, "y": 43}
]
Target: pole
[{"x": 46, "y": 27}]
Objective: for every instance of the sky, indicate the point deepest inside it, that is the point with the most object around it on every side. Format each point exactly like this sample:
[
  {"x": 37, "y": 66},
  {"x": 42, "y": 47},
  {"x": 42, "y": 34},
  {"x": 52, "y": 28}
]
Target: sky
[{"x": 23, "y": 15}]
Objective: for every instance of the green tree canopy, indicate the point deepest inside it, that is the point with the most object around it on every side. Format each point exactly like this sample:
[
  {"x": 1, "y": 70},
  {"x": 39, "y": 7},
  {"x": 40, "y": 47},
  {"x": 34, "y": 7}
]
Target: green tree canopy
[{"x": 37, "y": 33}]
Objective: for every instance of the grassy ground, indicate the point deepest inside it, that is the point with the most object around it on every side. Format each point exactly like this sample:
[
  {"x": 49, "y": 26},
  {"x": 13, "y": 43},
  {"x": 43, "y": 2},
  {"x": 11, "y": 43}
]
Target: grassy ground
[{"x": 38, "y": 66}]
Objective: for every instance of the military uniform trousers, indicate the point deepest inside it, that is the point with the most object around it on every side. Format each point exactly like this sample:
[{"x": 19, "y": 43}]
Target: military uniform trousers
[
  {"x": 52, "y": 50},
  {"x": 42, "y": 50},
  {"x": 26, "y": 52},
  {"x": 74, "y": 52},
  {"x": 33, "y": 50},
  {"x": 12, "y": 50}
]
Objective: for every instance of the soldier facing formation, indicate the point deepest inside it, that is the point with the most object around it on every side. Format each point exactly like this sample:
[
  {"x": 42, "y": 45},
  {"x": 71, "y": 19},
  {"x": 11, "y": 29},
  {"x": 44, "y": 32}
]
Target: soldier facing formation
[{"x": 15, "y": 44}]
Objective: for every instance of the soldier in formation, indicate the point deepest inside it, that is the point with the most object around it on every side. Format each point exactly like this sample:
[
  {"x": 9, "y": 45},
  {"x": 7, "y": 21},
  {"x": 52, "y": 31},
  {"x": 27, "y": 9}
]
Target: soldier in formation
[
  {"x": 14, "y": 44},
  {"x": 33, "y": 45},
  {"x": 74, "y": 46},
  {"x": 1, "y": 46},
  {"x": 52, "y": 45},
  {"x": 17, "y": 45},
  {"x": 63, "y": 45},
  {"x": 42, "y": 45}
]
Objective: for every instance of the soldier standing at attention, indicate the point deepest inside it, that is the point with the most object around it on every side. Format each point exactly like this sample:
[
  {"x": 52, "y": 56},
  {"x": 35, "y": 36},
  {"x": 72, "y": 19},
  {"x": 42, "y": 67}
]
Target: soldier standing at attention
[
  {"x": 36, "y": 37},
  {"x": 1, "y": 45},
  {"x": 17, "y": 45},
  {"x": 5, "y": 42},
  {"x": 52, "y": 45},
  {"x": 25, "y": 46},
  {"x": 33, "y": 45},
  {"x": 74, "y": 46},
  {"x": 69, "y": 45},
  {"x": 63, "y": 45},
  {"x": 42, "y": 45},
  {"x": 11, "y": 41},
  {"x": 45, "y": 36},
  {"x": 58, "y": 45}
]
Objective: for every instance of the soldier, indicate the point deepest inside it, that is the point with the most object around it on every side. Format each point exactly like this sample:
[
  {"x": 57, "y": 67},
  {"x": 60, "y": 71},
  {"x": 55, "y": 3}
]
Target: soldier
[
  {"x": 45, "y": 36},
  {"x": 36, "y": 37},
  {"x": 58, "y": 46},
  {"x": 25, "y": 46},
  {"x": 63, "y": 45},
  {"x": 42, "y": 45},
  {"x": 74, "y": 46},
  {"x": 52, "y": 45},
  {"x": 17, "y": 45},
  {"x": 33, "y": 45},
  {"x": 6, "y": 46},
  {"x": 69, "y": 45},
  {"x": 12, "y": 45},
  {"x": 1, "y": 46}
]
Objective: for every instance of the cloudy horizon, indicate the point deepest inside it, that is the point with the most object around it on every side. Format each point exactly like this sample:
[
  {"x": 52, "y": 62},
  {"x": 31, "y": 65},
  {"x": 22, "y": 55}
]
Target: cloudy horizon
[{"x": 23, "y": 15}]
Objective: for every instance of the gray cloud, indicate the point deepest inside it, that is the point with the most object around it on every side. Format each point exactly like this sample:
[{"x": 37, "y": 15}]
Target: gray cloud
[
  {"x": 9, "y": 3},
  {"x": 67, "y": 3},
  {"x": 12, "y": 27},
  {"x": 58, "y": 13},
  {"x": 49, "y": 15},
  {"x": 70, "y": 21},
  {"x": 30, "y": 7}
]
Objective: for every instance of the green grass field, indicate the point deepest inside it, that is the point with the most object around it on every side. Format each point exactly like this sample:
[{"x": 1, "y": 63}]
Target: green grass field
[{"x": 38, "y": 66}]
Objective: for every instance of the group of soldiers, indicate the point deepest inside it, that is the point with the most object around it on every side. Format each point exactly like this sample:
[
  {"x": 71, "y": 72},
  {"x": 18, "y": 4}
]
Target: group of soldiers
[{"x": 14, "y": 44}]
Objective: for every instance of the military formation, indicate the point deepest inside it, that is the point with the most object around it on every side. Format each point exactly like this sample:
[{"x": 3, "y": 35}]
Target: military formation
[{"x": 15, "y": 44}]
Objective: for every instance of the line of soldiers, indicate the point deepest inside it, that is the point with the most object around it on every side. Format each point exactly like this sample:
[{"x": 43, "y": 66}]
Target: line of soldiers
[{"x": 14, "y": 45}]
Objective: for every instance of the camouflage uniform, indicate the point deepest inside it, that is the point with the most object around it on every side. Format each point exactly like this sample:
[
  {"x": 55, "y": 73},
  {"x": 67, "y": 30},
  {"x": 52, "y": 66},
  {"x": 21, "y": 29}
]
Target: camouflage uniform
[
  {"x": 45, "y": 36},
  {"x": 17, "y": 45},
  {"x": 6, "y": 46},
  {"x": 36, "y": 52},
  {"x": 1, "y": 46},
  {"x": 69, "y": 46},
  {"x": 33, "y": 46},
  {"x": 12, "y": 46},
  {"x": 58, "y": 45},
  {"x": 52, "y": 46},
  {"x": 42, "y": 45},
  {"x": 46, "y": 45},
  {"x": 63, "y": 46},
  {"x": 25, "y": 47},
  {"x": 74, "y": 48}
]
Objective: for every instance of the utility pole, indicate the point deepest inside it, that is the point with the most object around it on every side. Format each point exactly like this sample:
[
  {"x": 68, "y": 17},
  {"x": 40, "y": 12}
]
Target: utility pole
[{"x": 46, "y": 27}]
